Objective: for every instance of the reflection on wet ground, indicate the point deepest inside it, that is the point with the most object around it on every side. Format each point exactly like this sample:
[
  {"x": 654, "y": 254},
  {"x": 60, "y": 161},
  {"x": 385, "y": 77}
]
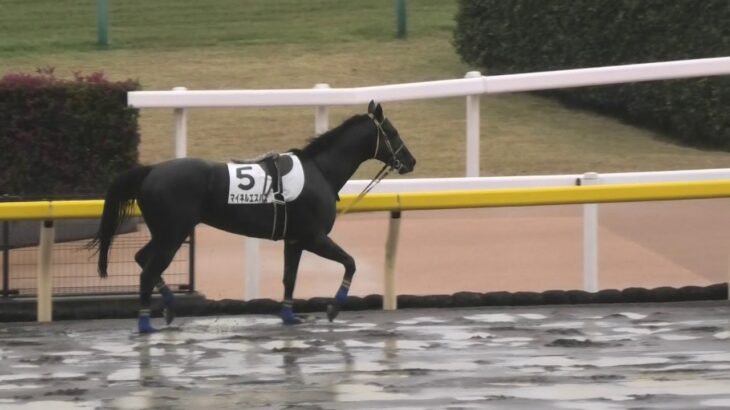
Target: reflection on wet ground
[{"x": 569, "y": 357}]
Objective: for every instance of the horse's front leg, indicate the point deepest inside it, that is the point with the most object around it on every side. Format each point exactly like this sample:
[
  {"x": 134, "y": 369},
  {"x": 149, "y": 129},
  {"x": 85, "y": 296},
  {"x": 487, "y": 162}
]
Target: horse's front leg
[
  {"x": 292, "y": 255},
  {"x": 327, "y": 248}
]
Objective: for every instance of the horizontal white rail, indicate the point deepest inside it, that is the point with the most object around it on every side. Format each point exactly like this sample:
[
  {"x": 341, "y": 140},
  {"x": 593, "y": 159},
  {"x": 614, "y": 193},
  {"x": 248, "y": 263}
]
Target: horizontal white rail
[
  {"x": 533, "y": 181},
  {"x": 432, "y": 89}
]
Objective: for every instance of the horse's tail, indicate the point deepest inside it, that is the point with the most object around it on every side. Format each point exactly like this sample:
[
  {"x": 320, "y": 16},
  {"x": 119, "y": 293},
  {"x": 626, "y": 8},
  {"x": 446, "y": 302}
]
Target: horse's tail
[{"x": 117, "y": 206}]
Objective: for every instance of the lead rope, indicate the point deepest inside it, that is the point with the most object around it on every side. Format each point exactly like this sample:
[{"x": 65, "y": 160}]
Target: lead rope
[{"x": 379, "y": 177}]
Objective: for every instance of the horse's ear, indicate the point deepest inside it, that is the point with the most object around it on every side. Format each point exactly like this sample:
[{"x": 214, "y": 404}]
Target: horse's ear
[
  {"x": 379, "y": 113},
  {"x": 375, "y": 110}
]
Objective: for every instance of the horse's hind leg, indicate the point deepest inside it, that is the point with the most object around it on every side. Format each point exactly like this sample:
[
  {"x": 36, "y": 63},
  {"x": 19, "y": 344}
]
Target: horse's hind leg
[
  {"x": 161, "y": 254},
  {"x": 327, "y": 248},
  {"x": 168, "y": 298}
]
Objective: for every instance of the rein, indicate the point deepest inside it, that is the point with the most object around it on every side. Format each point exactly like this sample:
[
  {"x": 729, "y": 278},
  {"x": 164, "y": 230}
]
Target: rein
[
  {"x": 379, "y": 177},
  {"x": 387, "y": 168}
]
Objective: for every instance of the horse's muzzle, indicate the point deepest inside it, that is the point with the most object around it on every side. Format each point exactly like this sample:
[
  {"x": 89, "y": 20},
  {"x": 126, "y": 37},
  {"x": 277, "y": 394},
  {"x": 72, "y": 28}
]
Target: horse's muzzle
[{"x": 404, "y": 167}]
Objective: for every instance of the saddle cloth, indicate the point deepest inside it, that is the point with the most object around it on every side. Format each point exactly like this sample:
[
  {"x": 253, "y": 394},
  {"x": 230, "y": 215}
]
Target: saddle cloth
[{"x": 250, "y": 183}]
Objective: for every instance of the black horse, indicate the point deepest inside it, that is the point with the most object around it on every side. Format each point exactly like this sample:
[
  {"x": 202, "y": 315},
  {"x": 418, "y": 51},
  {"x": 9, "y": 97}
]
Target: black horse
[{"x": 176, "y": 195}]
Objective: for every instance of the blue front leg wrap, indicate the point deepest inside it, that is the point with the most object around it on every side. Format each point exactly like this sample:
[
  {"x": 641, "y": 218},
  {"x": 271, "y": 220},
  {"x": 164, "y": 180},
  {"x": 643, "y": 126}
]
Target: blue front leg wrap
[
  {"x": 341, "y": 296},
  {"x": 288, "y": 316}
]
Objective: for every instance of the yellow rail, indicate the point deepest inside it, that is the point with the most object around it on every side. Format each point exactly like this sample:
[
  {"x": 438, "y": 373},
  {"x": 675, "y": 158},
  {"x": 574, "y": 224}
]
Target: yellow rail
[
  {"x": 41, "y": 210},
  {"x": 540, "y": 196}
]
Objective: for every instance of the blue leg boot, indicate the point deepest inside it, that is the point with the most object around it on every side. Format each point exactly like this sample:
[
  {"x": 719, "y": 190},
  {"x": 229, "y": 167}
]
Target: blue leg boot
[
  {"x": 168, "y": 301},
  {"x": 340, "y": 298},
  {"x": 287, "y": 314},
  {"x": 143, "y": 322}
]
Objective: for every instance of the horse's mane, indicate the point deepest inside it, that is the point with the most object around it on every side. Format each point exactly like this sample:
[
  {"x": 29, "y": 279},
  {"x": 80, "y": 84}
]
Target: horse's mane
[{"x": 318, "y": 144}]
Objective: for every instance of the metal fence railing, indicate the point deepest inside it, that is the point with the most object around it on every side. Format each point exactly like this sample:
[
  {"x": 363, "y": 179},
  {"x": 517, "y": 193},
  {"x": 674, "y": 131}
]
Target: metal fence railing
[{"x": 74, "y": 267}]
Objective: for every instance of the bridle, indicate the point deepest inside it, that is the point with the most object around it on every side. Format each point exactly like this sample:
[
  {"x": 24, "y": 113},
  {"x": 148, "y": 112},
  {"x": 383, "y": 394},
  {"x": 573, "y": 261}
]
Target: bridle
[
  {"x": 394, "y": 161},
  {"x": 389, "y": 166}
]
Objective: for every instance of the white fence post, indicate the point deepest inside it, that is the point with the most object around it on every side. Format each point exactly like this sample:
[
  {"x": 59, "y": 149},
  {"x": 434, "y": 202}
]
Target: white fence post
[
  {"x": 590, "y": 238},
  {"x": 45, "y": 278},
  {"x": 321, "y": 114},
  {"x": 390, "y": 299},
  {"x": 472, "y": 130},
  {"x": 181, "y": 129}
]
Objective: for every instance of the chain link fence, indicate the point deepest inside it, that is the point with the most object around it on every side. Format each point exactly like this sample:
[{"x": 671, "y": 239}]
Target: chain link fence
[{"x": 74, "y": 266}]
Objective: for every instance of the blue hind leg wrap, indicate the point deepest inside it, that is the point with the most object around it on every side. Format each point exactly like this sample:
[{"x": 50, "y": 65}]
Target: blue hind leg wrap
[{"x": 341, "y": 296}]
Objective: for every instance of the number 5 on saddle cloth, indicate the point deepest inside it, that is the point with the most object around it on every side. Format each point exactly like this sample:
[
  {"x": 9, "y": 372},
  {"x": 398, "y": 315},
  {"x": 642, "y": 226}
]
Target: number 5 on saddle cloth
[{"x": 272, "y": 179}]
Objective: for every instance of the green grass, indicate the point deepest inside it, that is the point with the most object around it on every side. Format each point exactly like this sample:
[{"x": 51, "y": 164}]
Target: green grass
[{"x": 227, "y": 44}]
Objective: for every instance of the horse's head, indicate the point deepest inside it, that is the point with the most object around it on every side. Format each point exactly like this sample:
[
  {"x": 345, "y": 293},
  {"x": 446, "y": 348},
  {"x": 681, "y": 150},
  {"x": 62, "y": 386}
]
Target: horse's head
[{"x": 389, "y": 147}]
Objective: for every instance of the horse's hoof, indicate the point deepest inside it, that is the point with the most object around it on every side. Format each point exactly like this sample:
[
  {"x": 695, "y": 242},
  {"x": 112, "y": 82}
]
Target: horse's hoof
[
  {"x": 332, "y": 312},
  {"x": 292, "y": 321},
  {"x": 147, "y": 331},
  {"x": 169, "y": 315}
]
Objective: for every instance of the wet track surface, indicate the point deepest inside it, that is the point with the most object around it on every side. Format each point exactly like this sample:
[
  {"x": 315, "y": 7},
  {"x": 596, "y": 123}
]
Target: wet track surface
[{"x": 568, "y": 357}]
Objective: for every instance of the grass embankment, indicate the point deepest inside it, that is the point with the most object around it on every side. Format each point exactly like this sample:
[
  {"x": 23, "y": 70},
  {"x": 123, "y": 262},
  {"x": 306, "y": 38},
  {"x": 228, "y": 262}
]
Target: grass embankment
[{"x": 227, "y": 44}]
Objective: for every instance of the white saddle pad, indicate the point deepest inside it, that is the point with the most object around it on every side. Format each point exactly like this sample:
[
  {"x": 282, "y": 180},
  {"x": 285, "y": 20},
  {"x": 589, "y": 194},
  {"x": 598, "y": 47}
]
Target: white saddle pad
[{"x": 249, "y": 184}]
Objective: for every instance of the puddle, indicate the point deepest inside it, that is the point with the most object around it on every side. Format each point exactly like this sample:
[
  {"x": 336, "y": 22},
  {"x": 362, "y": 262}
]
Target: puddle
[
  {"x": 139, "y": 373},
  {"x": 511, "y": 339},
  {"x": 632, "y": 316},
  {"x": 421, "y": 319},
  {"x": 450, "y": 366},
  {"x": 284, "y": 344},
  {"x": 563, "y": 325},
  {"x": 358, "y": 344},
  {"x": 117, "y": 349},
  {"x": 615, "y": 391},
  {"x": 462, "y": 335},
  {"x": 724, "y": 402},
  {"x": 532, "y": 316},
  {"x": 71, "y": 353},
  {"x": 626, "y": 361},
  {"x": 672, "y": 337},
  {"x": 722, "y": 335},
  {"x": 589, "y": 405},
  {"x": 18, "y": 377},
  {"x": 544, "y": 361},
  {"x": 491, "y": 318},
  {"x": 12, "y": 387},
  {"x": 711, "y": 357},
  {"x": 639, "y": 330},
  {"x": 656, "y": 324},
  {"x": 229, "y": 324},
  {"x": 232, "y": 346},
  {"x": 365, "y": 393},
  {"x": 562, "y": 361},
  {"x": 53, "y": 404}
]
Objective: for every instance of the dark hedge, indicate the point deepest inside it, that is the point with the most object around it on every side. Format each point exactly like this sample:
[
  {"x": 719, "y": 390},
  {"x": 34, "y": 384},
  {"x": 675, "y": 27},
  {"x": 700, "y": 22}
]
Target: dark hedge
[
  {"x": 516, "y": 36},
  {"x": 64, "y": 138}
]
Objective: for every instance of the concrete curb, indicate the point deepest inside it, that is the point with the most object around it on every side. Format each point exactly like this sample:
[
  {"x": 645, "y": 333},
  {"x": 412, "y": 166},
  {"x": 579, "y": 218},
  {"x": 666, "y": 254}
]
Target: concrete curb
[{"x": 76, "y": 308}]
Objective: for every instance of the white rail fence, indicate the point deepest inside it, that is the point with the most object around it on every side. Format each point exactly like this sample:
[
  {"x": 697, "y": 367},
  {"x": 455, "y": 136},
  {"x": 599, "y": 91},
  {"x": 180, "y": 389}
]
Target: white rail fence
[{"x": 472, "y": 86}]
